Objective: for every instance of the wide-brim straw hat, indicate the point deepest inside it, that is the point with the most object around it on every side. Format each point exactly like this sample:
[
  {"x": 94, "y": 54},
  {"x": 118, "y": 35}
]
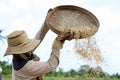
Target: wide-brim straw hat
[
  {"x": 19, "y": 43},
  {"x": 72, "y": 17}
]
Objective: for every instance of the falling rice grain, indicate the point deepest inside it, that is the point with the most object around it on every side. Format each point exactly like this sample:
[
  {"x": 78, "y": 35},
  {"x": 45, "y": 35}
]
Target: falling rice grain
[{"x": 88, "y": 49}]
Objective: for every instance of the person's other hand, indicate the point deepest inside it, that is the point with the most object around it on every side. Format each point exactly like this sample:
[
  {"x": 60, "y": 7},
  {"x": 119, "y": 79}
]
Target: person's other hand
[{"x": 35, "y": 57}]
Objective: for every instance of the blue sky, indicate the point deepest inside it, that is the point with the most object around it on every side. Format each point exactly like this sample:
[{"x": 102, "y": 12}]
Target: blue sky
[{"x": 29, "y": 15}]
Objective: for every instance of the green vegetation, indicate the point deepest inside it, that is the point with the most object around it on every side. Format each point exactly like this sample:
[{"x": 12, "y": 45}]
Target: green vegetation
[
  {"x": 8, "y": 77},
  {"x": 79, "y": 78},
  {"x": 7, "y": 68},
  {"x": 85, "y": 72}
]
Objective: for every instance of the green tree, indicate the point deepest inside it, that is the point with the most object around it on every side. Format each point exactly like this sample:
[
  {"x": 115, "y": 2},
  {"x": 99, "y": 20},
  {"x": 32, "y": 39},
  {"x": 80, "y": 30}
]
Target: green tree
[
  {"x": 96, "y": 72},
  {"x": 60, "y": 72},
  {"x": 115, "y": 75},
  {"x": 7, "y": 68},
  {"x": 83, "y": 71},
  {"x": 73, "y": 73},
  {"x": 87, "y": 71}
]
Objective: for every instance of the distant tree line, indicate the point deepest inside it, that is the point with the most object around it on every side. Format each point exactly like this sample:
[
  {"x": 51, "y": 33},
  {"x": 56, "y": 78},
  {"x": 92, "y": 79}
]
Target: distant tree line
[
  {"x": 84, "y": 71},
  {"x": 116, "y": 75}
]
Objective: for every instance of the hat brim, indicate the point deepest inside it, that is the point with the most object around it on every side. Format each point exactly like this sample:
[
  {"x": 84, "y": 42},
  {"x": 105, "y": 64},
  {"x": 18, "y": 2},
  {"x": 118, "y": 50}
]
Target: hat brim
[{"x": 22, "y": 48}]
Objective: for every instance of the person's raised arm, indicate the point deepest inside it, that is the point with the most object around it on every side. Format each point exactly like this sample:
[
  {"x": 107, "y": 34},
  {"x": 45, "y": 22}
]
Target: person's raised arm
[
  {"x": 39, "y": 68},
  {"x": 42, "y": 32}
]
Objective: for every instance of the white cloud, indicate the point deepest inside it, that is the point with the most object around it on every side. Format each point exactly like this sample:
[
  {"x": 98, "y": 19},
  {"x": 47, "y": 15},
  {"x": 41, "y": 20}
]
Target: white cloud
[
  {"x": 20, "y": 4},
  {"x": 21, "y": 22},
  {"x": 6, "y": 9},
  {"x": 25, "y": 20},
  {"x": 12, "y": 7},
  {"x": 2, "y": 26},
  {"x": 24, "y": 23},
  {"x": 47, "y": 4},
  {"x": 109, "y": 21}
]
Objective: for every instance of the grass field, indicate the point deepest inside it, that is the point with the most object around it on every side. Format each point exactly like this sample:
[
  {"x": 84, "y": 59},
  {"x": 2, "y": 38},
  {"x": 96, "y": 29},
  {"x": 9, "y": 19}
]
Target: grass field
[
  {"x": 8, "y": 77},
  {"x": 53, "y": 78}
]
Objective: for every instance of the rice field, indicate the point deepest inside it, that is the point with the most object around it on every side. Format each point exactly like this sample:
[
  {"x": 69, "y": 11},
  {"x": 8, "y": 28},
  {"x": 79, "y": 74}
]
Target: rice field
[{"x": 8, "y": 77}]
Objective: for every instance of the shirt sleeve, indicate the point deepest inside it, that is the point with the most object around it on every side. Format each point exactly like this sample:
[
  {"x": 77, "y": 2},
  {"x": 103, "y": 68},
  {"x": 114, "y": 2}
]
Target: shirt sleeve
[{"x": 42, "y": 32}]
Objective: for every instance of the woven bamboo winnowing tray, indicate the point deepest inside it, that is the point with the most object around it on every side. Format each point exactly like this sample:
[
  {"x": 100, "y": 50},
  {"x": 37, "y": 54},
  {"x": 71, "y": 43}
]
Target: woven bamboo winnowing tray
[{"x": 79, "y": 20}]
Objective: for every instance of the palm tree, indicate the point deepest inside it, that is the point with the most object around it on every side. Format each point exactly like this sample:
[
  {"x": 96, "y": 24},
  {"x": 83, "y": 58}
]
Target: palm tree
[{"x": 1, "y": 37}]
